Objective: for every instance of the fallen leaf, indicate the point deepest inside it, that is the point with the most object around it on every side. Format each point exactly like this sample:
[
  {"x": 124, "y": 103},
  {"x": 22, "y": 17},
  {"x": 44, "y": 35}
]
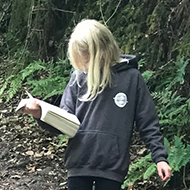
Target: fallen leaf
[{"x": 29, "y": 153}]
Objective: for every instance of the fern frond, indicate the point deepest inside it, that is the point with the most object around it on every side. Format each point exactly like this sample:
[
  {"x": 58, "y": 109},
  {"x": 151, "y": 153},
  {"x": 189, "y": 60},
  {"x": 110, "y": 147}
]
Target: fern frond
[
  {"x": 15, "y": 85},
  {"x": 147, "y": 75},
  {"x": 3, "y": 88},
  {"x": 150, "y": 171},
  {"x": 32, "y": 68},
  {"x": 48, "y": 86},
  {"x": 141, "y": 162},
  {"x": 179, "y": 155},
  {"x": 142, "y": 169}
]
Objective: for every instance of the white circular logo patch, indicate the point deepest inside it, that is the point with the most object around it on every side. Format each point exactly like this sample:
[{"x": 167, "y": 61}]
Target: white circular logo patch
[{"x": 120, "y": 99}]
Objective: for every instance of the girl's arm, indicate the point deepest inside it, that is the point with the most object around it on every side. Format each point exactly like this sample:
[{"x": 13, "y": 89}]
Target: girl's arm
[
  {"x": 68, "y": 102},
  {"x": 148, "y": 125},
  {"x": 33, "y": 107}
]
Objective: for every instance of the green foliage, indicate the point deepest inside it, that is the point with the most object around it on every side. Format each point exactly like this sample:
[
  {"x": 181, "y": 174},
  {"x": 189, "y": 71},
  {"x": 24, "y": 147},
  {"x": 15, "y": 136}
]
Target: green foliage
[
  {"x": 178, "y": 157},
  {"x": 142, "y": 169},
  {"x": 48, "y": 86},
  {"x": 42, "y": 79},
  {"x": 14, "y": 81},
  {"x": 180, "y": 66},
  {"x": 169, "y": 90},
  {"x": 55, "y": 81},
  {"x": 5, "y": 85},
  {"x": 173, "y": 108},
  {"x": 179, "y": 154},
  {"x": 147, "y": 75},
  {"x": 62, "y": 141}
]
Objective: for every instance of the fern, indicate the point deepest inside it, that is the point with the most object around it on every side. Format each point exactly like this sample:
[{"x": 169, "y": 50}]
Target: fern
[
  {"x": 181, "y": 65},
  {"x": 179, "y": 155},
  {"x": 14, "y": 87},
  {"x": 54, "y": 83},
  {"x": 32, "y": 68},
  {"x": 171, "y": 75},
  {"x": 11, "y": 86},
  {"x": 42, "y": 78},
  {"x": 15, "y": 81},
  {"x": 62, "y": 141},
  {"x": 142, "y": 169},
  {"x": 48, "y": 86},
  {"x": 173, "y": 111},
  {"x": 150, "y": 171},
  {"x": 5, "y": 85},
  {"x": 147, "y": 75}
]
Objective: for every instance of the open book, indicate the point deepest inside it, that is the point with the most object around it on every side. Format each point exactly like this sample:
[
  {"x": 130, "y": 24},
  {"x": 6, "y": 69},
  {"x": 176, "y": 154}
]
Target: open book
[{"x": 66, "y": 122}]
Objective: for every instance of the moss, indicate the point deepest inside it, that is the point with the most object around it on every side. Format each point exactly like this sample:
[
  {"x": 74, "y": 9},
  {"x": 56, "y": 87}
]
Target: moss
[
  {"x": 19, "y": 17},
  {"x": 157, "y": 31}
]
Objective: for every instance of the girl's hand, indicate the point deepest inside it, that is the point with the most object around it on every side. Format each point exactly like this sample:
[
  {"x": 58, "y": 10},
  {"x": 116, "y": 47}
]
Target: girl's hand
[
  {"x": 33, "y": 107},
  {"x": 164, "y": 170}
]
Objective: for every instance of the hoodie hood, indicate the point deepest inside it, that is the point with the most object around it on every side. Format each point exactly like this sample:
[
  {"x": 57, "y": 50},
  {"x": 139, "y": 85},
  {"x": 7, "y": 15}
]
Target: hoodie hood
[{"x": 127, "y": 62}]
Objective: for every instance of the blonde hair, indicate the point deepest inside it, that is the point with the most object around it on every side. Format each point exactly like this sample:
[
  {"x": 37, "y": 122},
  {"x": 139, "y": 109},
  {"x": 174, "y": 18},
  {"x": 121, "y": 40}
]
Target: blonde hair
[{"x": 94, "y": 42}]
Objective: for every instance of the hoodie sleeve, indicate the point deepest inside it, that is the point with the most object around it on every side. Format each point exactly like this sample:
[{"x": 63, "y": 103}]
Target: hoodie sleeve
[
  {"x": 148, "y": 123},
  {"x": 69, "y": 98},
  {"x": 67, "y": 103}
]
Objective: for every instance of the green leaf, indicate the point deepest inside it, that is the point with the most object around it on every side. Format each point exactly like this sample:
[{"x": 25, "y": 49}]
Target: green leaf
[{"x": 150, "y": 171}]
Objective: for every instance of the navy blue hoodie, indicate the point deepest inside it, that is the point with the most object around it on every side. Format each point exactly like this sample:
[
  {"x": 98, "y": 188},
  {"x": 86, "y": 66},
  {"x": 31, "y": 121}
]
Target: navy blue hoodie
[{"x": 101, "y": 146}]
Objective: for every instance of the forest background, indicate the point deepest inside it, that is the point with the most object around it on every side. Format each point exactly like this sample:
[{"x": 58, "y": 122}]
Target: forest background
[{"x": 33, "y": 54}]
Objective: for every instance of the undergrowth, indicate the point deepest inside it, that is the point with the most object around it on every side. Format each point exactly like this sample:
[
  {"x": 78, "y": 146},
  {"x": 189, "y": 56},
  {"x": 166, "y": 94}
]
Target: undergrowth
[
  {"x": 178, "y": 157},
  {"x": 40, "y": 78}
]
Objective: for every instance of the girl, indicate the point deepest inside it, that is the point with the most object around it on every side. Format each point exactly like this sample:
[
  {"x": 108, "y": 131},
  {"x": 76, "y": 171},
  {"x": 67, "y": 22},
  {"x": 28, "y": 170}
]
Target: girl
[{"x": 107, "y": 94}]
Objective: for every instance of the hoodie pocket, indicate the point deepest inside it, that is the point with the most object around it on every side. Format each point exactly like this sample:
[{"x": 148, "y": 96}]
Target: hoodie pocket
[{"x": 93, "y": 149}]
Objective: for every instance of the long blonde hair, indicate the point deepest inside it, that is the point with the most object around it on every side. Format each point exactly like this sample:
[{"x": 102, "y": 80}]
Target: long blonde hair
[{"x": 95, "y": 42}]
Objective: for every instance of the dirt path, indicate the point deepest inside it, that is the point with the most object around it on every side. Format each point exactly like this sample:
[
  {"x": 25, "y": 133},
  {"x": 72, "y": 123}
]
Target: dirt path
[{"x": 28, "y": 158}]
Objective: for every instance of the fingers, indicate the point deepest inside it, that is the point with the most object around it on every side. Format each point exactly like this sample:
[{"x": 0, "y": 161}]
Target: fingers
[
  {"x": 164, "y": 175},
  {"x": 33, "y": 107},
  {"x": 164, "y": 170},
  {"x": 32, "y": 104},
  {"x": 167, "y": 174}
]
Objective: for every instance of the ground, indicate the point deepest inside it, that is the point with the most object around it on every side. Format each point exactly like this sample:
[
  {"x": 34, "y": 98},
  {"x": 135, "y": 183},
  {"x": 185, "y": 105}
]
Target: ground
[{"x": 29, "y": 156}]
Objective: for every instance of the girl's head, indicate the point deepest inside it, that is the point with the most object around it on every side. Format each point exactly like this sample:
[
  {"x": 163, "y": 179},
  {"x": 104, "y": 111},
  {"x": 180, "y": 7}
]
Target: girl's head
[{"x": 92, "y": 48}]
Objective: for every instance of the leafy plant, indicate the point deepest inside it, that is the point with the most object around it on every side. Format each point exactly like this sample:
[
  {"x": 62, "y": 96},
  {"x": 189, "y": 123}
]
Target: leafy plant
[
  {"x": 180, "y": 66},
  {"x": 15, "y": 80},
  {"x": 41, "y": 78},
  {"x": 172, "y": 107},
  {"x": 62, "y": 141},
  {"x": 55, "y": 81},
  {"x": 178, "y": 157},
  {"x": 147, "y": 75},
  {"x": 179, "y": 154},
  {"x": 140, "y": 170}
]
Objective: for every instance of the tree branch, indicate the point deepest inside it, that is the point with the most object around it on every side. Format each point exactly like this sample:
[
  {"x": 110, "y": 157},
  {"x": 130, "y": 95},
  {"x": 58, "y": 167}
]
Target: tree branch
[
  {"x": 61, "y": 10},
  {"x": 101, "y": 12},
  {"x": 114, "y": 12}
]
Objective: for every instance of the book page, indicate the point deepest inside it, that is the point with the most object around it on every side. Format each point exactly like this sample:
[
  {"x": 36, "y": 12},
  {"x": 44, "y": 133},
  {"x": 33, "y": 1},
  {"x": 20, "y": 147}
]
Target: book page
[
  {"x": 65, "y": 126},
  {"x": 21, "y": 105},
  {"x": 46, "y": 107}
]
